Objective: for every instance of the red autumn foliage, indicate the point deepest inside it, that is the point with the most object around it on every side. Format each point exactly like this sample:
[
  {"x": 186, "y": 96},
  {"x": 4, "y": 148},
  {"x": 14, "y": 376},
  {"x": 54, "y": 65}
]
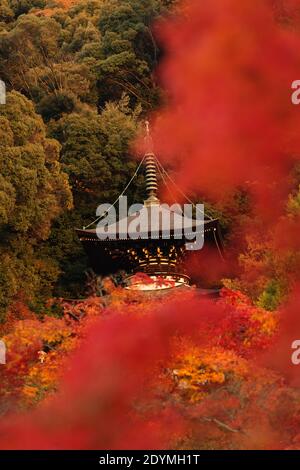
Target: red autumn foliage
[
  {"x": 229, "y": 120},
  {"x": 120, "y": 388},
  {"x": 279, "y": 354}
]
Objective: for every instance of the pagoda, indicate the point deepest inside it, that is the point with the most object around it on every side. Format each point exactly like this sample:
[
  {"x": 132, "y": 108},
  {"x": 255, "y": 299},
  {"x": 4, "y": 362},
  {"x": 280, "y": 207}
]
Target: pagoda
[{"x": 152, "y": 258}]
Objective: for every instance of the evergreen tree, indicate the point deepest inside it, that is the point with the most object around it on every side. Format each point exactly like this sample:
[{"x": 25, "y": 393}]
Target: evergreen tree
[{"x": 33, "y": 192}]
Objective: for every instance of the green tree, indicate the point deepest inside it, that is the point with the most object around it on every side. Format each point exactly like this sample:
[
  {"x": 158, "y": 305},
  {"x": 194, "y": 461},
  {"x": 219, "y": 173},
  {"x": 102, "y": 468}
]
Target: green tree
[
  {"x": 33, "y": 192},
  {"x": 34, "y": 64},
  {"x": 6, "y": 13},
  {"x": 129, "y": 51},
  {"x": 95, "y": 155},
  {"x": 21, "y": 7}
]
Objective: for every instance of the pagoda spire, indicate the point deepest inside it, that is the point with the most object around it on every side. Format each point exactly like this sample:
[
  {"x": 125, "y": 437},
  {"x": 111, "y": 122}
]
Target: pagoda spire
[{"x": 151, "y": 170}]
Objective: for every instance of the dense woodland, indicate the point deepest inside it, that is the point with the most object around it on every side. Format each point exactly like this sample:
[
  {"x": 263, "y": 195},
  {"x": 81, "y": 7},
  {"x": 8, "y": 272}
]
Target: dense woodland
[{"x": 81, "y": 78}]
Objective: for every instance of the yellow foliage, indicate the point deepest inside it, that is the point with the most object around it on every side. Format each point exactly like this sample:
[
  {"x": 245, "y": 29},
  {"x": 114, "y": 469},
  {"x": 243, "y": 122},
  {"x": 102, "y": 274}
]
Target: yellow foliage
[{"x": 197, "y": 370}]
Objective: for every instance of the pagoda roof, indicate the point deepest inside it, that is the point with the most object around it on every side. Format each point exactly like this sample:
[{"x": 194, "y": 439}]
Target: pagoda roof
[{"x": 151, "y": 222}]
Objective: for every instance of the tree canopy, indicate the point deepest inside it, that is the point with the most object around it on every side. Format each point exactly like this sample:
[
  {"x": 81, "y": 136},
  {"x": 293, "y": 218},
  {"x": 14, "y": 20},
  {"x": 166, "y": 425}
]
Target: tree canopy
[
  {"x": 85, "y": 74},
  {"x": 34, "y": 191}
]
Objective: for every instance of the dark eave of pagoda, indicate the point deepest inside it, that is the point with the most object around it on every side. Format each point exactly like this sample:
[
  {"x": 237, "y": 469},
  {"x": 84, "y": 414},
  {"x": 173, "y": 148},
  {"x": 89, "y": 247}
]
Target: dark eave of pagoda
[{"x": 207, "y": 226}]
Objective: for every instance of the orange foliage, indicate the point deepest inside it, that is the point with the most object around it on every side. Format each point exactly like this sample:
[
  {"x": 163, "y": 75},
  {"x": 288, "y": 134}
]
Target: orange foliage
[{"x": 63, "y": 4}]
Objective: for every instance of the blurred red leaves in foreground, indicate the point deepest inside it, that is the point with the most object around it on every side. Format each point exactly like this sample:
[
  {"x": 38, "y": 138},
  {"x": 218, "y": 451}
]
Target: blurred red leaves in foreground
[
  {"x": 229, "y": 119},
  {"x": 144, "y": 373}
]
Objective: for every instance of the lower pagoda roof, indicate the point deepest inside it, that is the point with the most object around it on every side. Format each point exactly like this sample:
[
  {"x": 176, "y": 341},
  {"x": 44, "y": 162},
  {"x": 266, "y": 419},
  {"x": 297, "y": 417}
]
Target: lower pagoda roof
[{"x": 151, "y": 222}]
